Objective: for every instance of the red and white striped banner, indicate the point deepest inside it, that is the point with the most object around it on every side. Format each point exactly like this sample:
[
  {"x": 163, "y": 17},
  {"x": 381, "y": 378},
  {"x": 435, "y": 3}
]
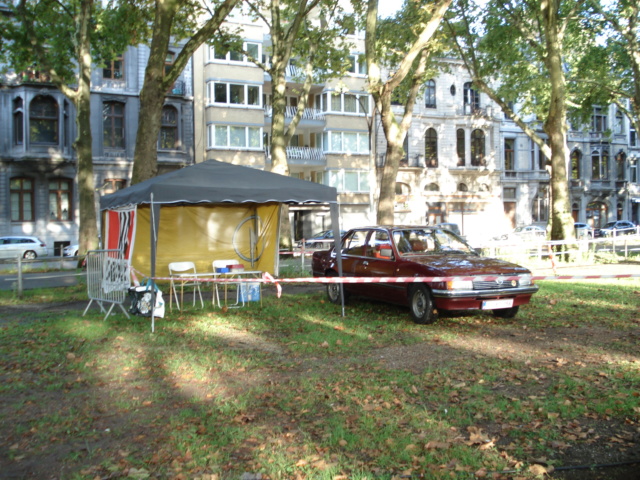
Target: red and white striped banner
[{"x": 267, "y": 278}]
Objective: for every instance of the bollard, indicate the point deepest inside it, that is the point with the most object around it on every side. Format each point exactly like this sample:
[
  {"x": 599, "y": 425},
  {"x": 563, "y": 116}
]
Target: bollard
[{"x": 19, "y": 290}]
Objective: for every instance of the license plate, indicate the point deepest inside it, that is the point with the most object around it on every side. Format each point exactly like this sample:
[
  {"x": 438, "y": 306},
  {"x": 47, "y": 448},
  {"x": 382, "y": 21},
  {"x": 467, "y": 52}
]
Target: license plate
[{"x": 494, "y": 304}]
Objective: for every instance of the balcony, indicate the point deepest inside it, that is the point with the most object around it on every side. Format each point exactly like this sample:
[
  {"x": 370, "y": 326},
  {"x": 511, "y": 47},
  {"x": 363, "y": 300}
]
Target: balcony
[
  {"x": 599, "y": 137},
  {"x": 178, "y": 88},
  {"x": 598, "y": 185},
  {"x": 410, "y": 161},
  {"x": 485, "y": 112},
  {"x": 34, "y": 76},
  {"x": 303, "y": 156},
  {"x": 311, "y": 114}
]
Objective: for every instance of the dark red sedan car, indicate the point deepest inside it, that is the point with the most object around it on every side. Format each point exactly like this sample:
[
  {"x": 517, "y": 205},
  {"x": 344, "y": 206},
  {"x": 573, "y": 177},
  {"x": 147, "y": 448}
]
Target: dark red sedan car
[{"x": 422, "y": 251}]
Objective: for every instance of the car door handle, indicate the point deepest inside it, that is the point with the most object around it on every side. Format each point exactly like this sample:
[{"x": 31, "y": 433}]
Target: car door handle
[{"x": 365, "y": 263}]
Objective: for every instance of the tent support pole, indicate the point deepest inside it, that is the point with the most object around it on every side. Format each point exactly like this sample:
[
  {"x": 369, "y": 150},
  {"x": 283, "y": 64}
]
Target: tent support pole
[{"x": 154, "y": 243}]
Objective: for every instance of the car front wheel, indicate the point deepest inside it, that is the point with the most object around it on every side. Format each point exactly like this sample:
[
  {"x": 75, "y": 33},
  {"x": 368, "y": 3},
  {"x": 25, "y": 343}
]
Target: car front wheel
[
  {"x": 30, "y": 255},
  {"x": 333, "y": 291},
  {"x": 506, "y": 312},
  {"x": 421, "y": 305}
]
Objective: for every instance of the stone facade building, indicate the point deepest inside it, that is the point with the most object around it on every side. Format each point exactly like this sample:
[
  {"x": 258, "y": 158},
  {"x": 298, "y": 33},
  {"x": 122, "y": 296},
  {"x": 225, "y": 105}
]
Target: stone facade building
[
  {"x": 38, "y": 165},
  {"x": 467, "y": 163}
]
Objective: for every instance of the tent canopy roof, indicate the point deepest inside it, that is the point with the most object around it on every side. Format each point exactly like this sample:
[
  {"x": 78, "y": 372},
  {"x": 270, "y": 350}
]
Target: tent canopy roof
[{"x": 220, "y": 182}]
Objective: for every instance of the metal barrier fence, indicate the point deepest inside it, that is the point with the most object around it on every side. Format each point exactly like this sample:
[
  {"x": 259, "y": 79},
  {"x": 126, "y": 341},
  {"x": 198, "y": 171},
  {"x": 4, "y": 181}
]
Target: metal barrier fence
[{"x": 108, "y": 280}]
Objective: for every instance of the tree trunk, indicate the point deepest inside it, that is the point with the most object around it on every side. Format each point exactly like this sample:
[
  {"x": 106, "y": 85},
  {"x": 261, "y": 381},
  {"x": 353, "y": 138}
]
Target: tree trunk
[
  {"x": 145, "y": 160},
  {"x": 556, "y": 128},
  {"x": 279, "y": 162},
  {"x": 88, "y": 230},
  {"x": 278, "y": 139},
  {"x": 395, "y": 138},
  {"x": 387, "y": 197}
]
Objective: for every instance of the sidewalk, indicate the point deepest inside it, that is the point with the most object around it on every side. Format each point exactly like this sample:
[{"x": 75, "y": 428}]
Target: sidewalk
[{"x": 599, "y": 269}]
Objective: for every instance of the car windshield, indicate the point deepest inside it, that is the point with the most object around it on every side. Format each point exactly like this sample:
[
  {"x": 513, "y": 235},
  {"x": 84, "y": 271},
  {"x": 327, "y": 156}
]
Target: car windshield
[
  {"x": 609, "y": 225},
  {"x": 418, "y": 241}
]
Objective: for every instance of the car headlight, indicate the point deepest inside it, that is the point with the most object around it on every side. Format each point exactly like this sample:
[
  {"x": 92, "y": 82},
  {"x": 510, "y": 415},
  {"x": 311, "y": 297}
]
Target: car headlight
[
  {"x": 460, "y": 285},
  {"x": 525, "y": 280}
]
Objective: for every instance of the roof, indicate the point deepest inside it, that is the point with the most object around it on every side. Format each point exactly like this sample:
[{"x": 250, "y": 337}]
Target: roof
[{"x": 220, "y": 182}]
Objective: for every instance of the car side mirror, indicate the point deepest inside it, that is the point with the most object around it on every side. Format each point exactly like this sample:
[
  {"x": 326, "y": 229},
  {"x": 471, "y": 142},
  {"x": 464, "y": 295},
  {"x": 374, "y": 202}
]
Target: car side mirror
[{"x": 386, "y": 252}]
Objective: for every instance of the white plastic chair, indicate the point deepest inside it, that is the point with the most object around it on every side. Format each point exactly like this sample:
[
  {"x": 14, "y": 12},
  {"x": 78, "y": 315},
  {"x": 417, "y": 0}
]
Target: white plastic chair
[{"x": 182, "y": 274}]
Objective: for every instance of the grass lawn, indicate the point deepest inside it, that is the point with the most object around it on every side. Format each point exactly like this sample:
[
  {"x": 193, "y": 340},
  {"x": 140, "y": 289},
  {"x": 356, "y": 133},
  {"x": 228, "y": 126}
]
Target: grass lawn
[{"x": 293, "y": 390}]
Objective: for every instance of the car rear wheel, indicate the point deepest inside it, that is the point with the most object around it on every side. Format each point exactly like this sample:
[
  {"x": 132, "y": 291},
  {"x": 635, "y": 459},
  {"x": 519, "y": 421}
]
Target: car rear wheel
[
  {"x": 30, "y": 255},
  {"x": 421, "y": 305},
  {"x": 506, "y": 312},
  {"x": 333, "y": 291}
]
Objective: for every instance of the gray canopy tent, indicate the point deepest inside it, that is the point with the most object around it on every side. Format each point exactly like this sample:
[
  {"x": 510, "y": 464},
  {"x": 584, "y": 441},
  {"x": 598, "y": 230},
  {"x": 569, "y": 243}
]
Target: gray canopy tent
[{"x": 216, "y": 185}]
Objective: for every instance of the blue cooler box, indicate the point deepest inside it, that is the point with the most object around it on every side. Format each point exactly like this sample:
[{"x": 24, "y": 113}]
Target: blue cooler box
[{"x": 250, "y": 292}]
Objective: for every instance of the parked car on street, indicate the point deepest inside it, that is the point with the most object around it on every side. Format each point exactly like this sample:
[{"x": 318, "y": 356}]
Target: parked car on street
[
  {"x": 526, "y": 233},
  {"x": 452, "y": 227},
  {"x": 26, "y": 247},
  {"x": 319, "y": 240},
  {"x": 583, "y": 230},
  {"x": 71, "y": 251},
  {"x": 424, "y": 251},
  {"x": 621, "y": 227}
]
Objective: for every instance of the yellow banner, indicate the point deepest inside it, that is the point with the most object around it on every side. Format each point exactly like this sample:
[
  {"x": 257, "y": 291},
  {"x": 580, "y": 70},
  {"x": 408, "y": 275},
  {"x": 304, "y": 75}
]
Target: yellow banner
[{"x": 201, "y": 234}]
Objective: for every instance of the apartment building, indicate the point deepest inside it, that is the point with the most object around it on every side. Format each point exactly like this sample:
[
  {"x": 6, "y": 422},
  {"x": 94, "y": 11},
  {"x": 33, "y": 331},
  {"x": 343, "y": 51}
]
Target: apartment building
[
  {"x": 38, "y": 165},
  {"x": 332, "y": 140}
]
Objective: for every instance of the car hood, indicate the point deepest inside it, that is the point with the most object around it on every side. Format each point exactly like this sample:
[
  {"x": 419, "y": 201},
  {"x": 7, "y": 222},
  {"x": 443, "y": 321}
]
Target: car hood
[{"x": 461, "y": 265}]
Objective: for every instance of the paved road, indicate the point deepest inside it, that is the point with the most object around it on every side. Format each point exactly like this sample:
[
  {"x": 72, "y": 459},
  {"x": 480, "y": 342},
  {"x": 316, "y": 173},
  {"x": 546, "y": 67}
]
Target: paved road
[{"x": 41, "y": 280}]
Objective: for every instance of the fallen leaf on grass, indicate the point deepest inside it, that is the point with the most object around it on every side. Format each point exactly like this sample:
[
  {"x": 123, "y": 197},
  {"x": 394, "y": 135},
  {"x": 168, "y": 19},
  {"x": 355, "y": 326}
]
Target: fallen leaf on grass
[
  {"x": 540, "y": 470},
  {"x": 243, "y": 419},
  {"x": 482, "y": 473},
  {"x": 140, "y": 473},
  {"x": 434, "y": 445},
  {"x": 476, "y": 436}
]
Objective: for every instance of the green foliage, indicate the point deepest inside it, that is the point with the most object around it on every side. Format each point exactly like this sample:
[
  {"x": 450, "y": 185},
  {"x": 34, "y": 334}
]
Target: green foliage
[
  {"x": 395, "y": 36},
  {"x": 43, "y": 35},
  {"x": 320, "y": 41},
  {"x": 507, "y": 44},
  {"x": 614, "y": 65}
]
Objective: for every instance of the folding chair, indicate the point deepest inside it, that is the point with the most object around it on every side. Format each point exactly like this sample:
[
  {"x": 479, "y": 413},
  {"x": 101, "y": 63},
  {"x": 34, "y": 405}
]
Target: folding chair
[{"x": 182, "y": 275}]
